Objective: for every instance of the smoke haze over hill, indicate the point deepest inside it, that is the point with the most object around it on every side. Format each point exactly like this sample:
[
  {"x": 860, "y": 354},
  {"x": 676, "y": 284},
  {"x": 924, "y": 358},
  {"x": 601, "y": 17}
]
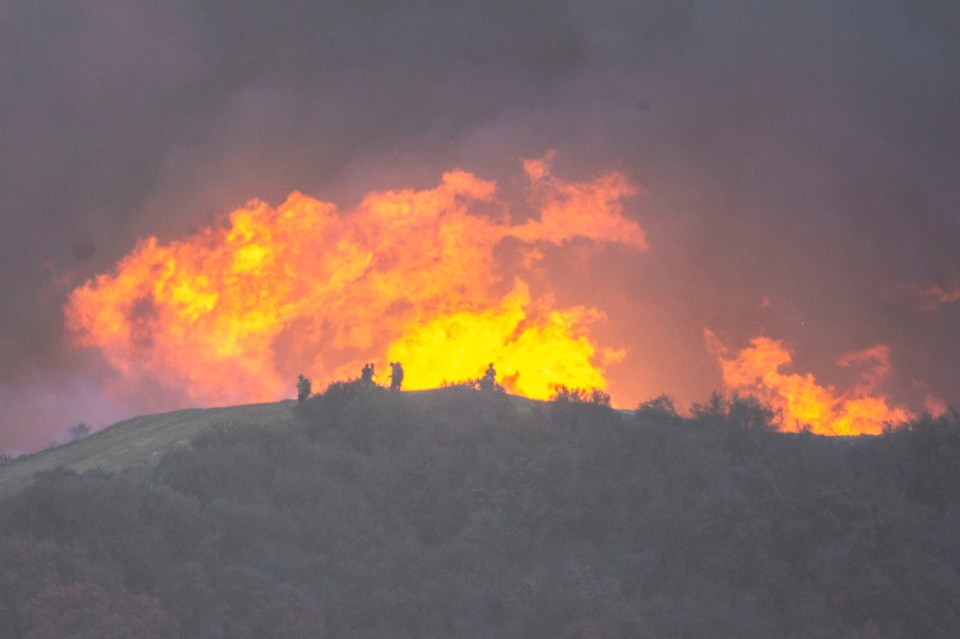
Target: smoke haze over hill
[{"x": 797, "y": 165}]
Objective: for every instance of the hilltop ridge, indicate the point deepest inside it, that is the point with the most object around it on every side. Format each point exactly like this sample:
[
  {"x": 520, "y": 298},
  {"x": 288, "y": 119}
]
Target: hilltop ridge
[
  {"x": 143, "y": 439},
  {"x": 363, "y": 513}
]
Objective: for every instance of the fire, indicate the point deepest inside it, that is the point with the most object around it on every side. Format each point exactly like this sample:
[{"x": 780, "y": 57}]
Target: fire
[
  {"x": 234, "y": 312},
  {"x": 799, "y": 400},
  {"x": 530, "y": 363},
  {"x": 935, "y": 295}
]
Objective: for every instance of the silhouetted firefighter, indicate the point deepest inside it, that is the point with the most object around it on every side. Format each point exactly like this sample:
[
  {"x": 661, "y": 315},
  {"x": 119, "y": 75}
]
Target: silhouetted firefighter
[
  {"x": 396, "y": 375},
  {"x": 489, "y": 380},
  {"x": 303, "y": 388},
  {"x": 367, "y": 375}
]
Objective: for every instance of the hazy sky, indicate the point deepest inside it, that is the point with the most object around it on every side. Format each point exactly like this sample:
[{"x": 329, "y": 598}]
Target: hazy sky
[{"x": 799, "y": 162}]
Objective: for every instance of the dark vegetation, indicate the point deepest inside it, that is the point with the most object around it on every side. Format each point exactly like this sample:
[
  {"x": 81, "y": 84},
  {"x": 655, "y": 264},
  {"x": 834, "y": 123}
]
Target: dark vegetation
[
  {"x": 79, "y": 431},
  {"x": 458, "y": 513}
]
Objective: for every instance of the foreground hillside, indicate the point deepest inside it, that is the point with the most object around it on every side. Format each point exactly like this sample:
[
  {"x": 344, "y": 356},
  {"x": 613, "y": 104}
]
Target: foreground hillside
[{"x": 365, "y": 513}]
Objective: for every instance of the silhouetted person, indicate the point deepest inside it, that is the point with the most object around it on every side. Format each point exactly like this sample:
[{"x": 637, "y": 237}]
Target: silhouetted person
[
  {"x": 396, "y": 375},
  {"x": 489, "y": 380},
  {"x": 303, "y": 388},
  {"x": 367, "y": 374}
]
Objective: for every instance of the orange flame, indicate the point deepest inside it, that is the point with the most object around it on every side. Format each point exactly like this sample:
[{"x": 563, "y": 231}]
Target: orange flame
[
  {"x": 234, "y": 312},
  {"x": 799, "y": 400},
  {"x": 935, "y": 295}
]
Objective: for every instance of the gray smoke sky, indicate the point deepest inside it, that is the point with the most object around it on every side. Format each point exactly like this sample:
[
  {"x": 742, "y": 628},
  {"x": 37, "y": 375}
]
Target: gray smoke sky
[{"x": 806, "y": 153}]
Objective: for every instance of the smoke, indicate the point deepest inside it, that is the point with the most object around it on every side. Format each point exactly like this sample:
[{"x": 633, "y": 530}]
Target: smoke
[{"x": 801, "y": 154}]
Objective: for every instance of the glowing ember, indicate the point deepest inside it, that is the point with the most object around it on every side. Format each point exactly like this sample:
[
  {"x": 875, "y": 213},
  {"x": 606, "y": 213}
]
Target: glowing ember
[
  {"x": 799, "y": 400},
  {"x": 233, "y": 313}
]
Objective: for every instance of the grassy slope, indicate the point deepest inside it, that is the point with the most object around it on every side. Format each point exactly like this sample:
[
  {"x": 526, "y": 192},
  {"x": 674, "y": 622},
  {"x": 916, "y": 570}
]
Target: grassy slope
[
  {"x": 142, "y": 439},
  {"x": 138, "y": 440}
]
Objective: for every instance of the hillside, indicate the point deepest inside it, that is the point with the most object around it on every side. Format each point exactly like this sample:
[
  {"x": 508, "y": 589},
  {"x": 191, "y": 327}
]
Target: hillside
[
  {"x": 454, "y": 513},
  {"x": 143, "y": 439},
  {"x": 136, "y": 441}
]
